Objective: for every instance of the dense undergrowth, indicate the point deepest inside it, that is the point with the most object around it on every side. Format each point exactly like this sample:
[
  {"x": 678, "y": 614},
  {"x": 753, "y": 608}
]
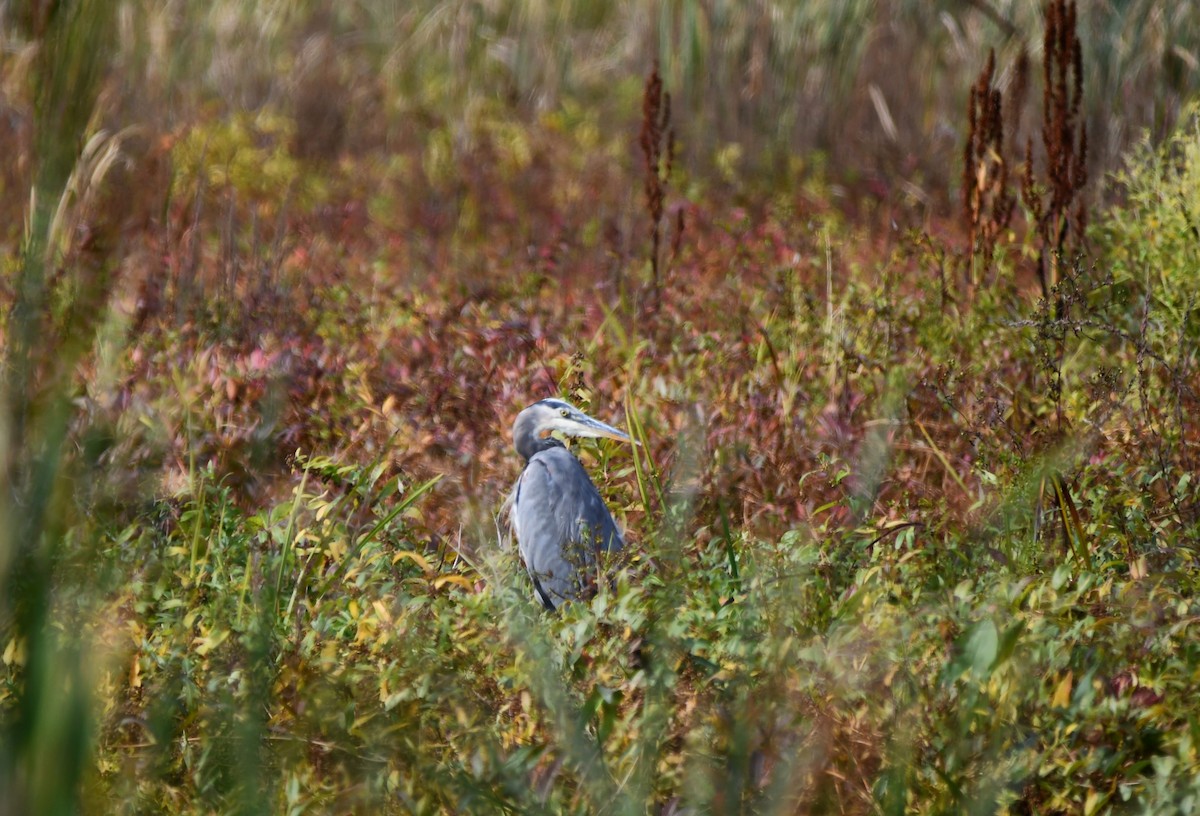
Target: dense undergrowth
[{"x": 914, "y": 519}]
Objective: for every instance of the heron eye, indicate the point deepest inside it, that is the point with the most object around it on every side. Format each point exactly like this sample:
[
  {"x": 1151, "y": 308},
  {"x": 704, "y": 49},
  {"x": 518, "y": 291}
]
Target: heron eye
[{"x": 564, "y": 412}]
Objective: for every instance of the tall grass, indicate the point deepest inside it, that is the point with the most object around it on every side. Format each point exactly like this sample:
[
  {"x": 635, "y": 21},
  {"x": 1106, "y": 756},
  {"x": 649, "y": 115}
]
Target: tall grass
[
  {"x": 775, "y": 78},
  {"x": 58, "y": 304}
]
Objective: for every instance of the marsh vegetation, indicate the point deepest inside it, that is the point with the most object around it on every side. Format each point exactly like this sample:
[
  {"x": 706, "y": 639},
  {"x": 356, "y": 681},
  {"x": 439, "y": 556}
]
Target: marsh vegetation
[{"x": 899, "y": 298}]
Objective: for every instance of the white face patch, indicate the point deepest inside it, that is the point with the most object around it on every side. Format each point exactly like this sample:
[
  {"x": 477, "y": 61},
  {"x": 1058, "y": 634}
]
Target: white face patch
[{"x": 569, "y": 425}]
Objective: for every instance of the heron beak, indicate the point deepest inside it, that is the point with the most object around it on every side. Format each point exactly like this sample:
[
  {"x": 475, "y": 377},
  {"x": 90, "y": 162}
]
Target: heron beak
[{"x": 596, "y": 428}]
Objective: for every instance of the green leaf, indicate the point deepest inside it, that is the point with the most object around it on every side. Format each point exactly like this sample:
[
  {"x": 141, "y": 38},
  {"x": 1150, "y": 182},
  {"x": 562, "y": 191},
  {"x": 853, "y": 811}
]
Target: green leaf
[
  {"x": 982, "y": 646},
  {"x": 1008, "y": 643}
]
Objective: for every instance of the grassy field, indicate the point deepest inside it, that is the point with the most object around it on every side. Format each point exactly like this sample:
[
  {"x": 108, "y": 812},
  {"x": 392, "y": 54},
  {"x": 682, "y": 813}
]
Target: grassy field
[{"x": 908, "y": 333}]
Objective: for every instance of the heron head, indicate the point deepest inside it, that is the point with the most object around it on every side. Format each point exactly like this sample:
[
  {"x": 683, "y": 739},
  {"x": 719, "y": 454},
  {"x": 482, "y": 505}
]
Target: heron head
[{"x": 535, "y": 424}]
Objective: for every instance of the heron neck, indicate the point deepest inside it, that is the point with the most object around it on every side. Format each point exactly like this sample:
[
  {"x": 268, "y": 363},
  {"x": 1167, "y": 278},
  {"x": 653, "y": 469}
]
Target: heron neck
[{"x": 529, "y": 442}]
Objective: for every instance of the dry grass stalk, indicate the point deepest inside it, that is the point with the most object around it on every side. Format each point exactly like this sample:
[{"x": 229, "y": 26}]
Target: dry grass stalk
[
  {"x": 1055, "y": 205},
  {"x": 987, "y": 202},
  {"x": 657, "y": 140}
]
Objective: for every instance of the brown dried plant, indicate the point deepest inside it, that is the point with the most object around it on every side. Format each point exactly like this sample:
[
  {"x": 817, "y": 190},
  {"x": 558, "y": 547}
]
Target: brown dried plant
[
  {"x": 1018, "y": 90},
  {"x": 1057, "y": 210},
  {"x": 987, "y": 202},
  {"x": 657, "y": 140}
]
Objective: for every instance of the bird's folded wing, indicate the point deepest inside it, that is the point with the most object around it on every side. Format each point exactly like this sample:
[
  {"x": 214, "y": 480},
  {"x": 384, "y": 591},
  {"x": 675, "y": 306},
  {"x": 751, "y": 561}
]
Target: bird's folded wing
[{"x": 560, "y": 521}]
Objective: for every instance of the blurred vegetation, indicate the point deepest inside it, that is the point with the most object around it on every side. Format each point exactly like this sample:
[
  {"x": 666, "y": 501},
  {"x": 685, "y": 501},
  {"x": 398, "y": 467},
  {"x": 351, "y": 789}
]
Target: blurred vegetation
[{"x": 914, "y": 522}]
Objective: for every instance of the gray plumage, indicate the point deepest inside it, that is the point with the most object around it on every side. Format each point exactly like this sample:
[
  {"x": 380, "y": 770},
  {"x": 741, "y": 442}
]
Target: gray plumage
[{"x": 559, "y": 519}]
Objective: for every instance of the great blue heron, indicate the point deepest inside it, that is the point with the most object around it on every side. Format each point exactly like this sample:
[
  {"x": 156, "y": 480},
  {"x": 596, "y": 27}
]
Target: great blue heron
[{"x": 556, "y": 512}]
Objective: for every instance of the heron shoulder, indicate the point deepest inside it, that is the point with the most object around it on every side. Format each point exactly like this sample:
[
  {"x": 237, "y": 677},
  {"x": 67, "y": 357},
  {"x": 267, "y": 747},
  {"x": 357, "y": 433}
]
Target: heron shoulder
[
  {"x": 557, "y": 466},
  {"x": 558, "y": 454},
  {"x": 555, "y": 484}
]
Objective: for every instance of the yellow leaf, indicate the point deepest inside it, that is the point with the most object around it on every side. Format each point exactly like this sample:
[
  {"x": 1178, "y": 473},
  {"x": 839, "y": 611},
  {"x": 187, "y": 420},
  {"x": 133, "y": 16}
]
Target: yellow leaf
[
  {"x": 462, "y": 581},
  {"x": 1138, "y": 569},
  {"x": 367, "y": 628},
  {"x": 14, "y": 653},
  {"x": 381, "y": 611},
  {"x": 337, "y": 549},
  {"x": 204, "y": 645},
  {"x": 415, "y": 557},
  {"x": 1062, "y": 692}
]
